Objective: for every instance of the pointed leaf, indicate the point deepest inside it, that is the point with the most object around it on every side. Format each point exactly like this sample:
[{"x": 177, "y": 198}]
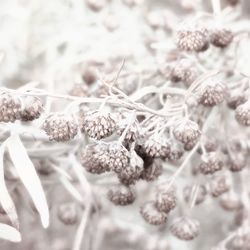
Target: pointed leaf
[
  {"x": 9, "y": 233},
  {"x": 28, "y": 176}
]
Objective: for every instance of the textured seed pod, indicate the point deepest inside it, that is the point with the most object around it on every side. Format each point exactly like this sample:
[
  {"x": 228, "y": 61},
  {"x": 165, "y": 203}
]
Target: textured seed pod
[
  {"x": 236, "y": 162},
  {"x": 219, "y": 185},
  {"x": 95, "y": 158},
  {"x": 210, "y": 163},
  {"x": 156, "y": 147},
  {"x": 186, "y": 131},
  {"x": 212, "y": 94},
  {"x": 98, "y": 125},
  {"x": 165, "y": 201},
  {"x": 79, "y": 89},
  {"x": 190, "y": 145},
  {"x": 242, "y": 114},
  {"x": 230, "y": 201},
  {"x": 185, "y": 228},
  {"x": 121, "y": 195},
  {"x": 201, "y": 195},
  {"x": 67, "y": 213},
  {"x": 32, "y": 108},
  {"x": 60, "y": 127},
  {"x": 96, "y": 5},
  {"x": 151, "y": 214},
  {"x": 10, "y": 108},
  {"x": 152, "y": 171},
  {"x": 176, "y": 151},
  {"x": 133, "y": 171},
  {"x": 221, "y": 38},
  {"x": 192, "y": 40}
]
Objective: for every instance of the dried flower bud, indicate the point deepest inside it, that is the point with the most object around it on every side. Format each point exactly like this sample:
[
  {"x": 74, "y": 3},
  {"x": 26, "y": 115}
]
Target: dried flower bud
[
  {"x": 210, "y": 163},
  {"x": 219, "y": 185},
  {"x": 185, "y": 228},
  {"x": 221, "y": 38},
  {"x": 79, "y": 89},
  {"x": 201, "y": 195},
  {"x": 242, "y": 114},
  {"x": 32, "y": 108},
  {"x": 189, "y": 145},
  {"x": 10, "y": 108},
  {"x": 192, "y": 40},
  {"x": 98, "y": 125},
  {"x": 152, "y": 215},
  {"x": 165, "y": 201},
  {"x": 230, "y": 201},
  {"x": 152, "y": 171},
  {"x": 121, "y": 195},
  {"x": 60, "y": 127},
  {"x": 212, "y": 94},
  {"x": 67, "y": 213},
  {"x": 186, "y": 131}
]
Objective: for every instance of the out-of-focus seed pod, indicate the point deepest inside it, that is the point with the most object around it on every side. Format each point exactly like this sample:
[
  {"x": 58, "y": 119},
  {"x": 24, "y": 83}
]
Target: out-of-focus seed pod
[
  {"x": 96, "y": 5},
  {"x": 32, "y": 108},
  {"x": 111, "y": 22},
  {"x": 97, "y": 124},
  {"x": 242, "y": 114},
  {"x": 210, "y": 163},
  {"x": 121, "y": 195},
  {"x": 233, "y": 2},
  {"x": 213, "y": 93},
  {"x": 176, "y": 151},
  {"x": 152, "y": 215},
  {"x": 189, "y": 145},
  {"x": 60, "y": 127},
  {"x": 79, "y": 89},
  {"x": 10, "y": 108},
  {"x": 241, "y": 216},
  {"x": 236, "y": 162},
  {"x": 200, "y": 197},
  {"x": 230, "y": 201},
  {"x": 236, "y": 99},
  {"x": 186, "y": 131},
  {"x": 185, "y": 228},
  {"x": 89, "y": 75},
  {"x": 221, "y": 38},
  {"x": 43, "y": 166},
  {"x": 67, "y": 213},
  {"x": 165, "y": 201},
  {"x": 192, "y": 40},
  {"x": 241, "y": 241},
  {"x": 152, "y": 171},
  {"x": 209, "y": 144},
  {"x": 219, "y": 185}
]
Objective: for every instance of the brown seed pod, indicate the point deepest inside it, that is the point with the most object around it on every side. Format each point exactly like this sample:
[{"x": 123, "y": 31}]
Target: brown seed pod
[
  {"x": 10, "y": 108},
  {"x": 210, "y": 163},
  {"x": 192, "y": 40},
  {"x": 236, "y": 99},
  {"x": 151, "y": 214},
  {"x": 176, "y": 151},
  {"x": 212, "y": 94},
  {"x": 60, "y": 127},
  {"x": 79, "y": 89},
  {"x": 230, "y": 201},
  {"x": 189, "y": 145},
  {"x": 201, "y": 195},
  {"x": 152, "y": 171},
  {"x": 121, "y": 195},
  {"x": 185, "y": 228},
  {"x": 96, "y": 5},
  {"x": 219, "y": 185},
  {"x": 242, "y": 114},
  {"x": 97, "y": 124},
  {"x": 67, "y": 213},
  {"x": 32, "y": 108},
  {"x": 165, "y": 201},
  {"x": 186, "y": 131},
  {"x": 43, "y": 166},
  {"x": 221, "y": 38},
  {"x": 233, "y": 2},
  {"x": 210, "y": 145},
  {"x": 236, "y": 162}
]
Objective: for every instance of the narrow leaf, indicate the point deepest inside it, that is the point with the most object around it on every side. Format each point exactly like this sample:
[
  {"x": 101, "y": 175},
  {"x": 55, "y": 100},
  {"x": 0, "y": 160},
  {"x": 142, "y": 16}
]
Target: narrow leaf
[
  {"x": 28, "y": 176},
  {"x": 5, "y": 198},
  {"x": 9, "y": 233}
]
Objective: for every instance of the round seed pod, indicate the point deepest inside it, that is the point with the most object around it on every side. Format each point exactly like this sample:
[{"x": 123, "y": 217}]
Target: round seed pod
[
  {"x": 153, "y": 171},
  {"x": 156, "y": 147},
  {"x": 189, "y": 145},
  {"x": 98, "y": 125},
  {"x": 32, "y": 108},
  {"x": 95, "y": 159},
  {"x": 79, "y": 89},
  {"x": 10, "y": 108},
  {"x": 233, "y": 2},
  {"x": 132, "y": 3},
  {"x": 133, "y": 171},
  {"x": 236, "y": 162},
  {"x": 221, "y": 38},
  {"x": 210, "y": 145},
  {"x": 192, "y": 40},
  {"x": 165, "y": 201},
  {"x": 212, "y": 94},
  {"x": 219, "y": 185},
  {"x": 186, "y": 131},
  {"x": 152, "y": 215},
  {"x": 60, "y": 127},
  {"x": 96, "y": 5},
  {"x": 201, "y": 195},
  {"x": 43, "y": 166},
  {"x": 176, "y": 151},
  {"x": 236, "y": 99},
  {"x": 242, "y": 114},
  {"x": 67, "y": 213},
  {"x": 210, "y": 163},
  {"x": 121, "y": 195},
  {"x": 111, "y": 22},
  {"x": 241, "y": 241},
  {"x": 185, "y": 228},
  {"x": 230, "y": 202}
]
